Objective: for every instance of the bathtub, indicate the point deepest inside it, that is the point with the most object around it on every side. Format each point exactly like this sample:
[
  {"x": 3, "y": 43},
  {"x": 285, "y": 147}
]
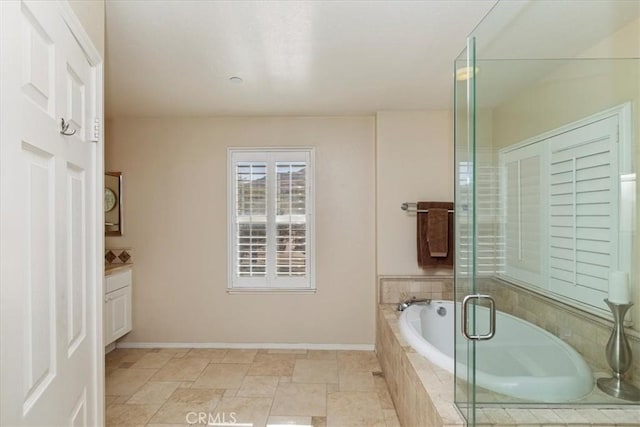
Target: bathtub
[{"x": 522, "y": 360}]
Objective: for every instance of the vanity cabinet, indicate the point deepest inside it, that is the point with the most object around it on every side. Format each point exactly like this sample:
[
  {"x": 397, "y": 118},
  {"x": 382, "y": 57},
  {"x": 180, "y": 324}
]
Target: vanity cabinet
[{"x": 117, "y": 304}]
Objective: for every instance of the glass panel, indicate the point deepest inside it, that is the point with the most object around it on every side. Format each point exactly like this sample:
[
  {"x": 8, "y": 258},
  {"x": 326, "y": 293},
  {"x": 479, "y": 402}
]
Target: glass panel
[
  {"x": 549, "y": 124},
  {"x": 464, "y": 251},
  {"x": 559, "y": 212}
]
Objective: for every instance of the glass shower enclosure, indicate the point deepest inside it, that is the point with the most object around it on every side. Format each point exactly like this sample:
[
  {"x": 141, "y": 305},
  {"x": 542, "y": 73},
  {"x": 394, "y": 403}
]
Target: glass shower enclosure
[{"x": 547, "y": 132}]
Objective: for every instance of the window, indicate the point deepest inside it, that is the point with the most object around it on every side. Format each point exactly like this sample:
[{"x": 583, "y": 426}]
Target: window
[
  {"x": 271, "y": 226},
  {"x": 562, "y": 202},
  {"x": 488, "y": 252}
]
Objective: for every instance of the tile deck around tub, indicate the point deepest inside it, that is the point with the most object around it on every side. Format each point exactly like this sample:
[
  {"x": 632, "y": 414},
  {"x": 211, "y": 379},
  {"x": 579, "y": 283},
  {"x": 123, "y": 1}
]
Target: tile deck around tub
[
  {"x": 440, "y": 384},
  {"x": 174, "y": 387}
]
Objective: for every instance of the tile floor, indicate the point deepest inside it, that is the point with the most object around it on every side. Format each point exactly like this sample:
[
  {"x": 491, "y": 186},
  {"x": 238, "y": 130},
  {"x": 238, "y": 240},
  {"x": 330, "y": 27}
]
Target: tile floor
[{"x": 173, "y": 387}]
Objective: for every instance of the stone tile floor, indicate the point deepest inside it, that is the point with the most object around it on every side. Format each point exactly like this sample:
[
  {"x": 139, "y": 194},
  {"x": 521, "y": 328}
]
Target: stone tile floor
[{"x": 179, "y": 387}]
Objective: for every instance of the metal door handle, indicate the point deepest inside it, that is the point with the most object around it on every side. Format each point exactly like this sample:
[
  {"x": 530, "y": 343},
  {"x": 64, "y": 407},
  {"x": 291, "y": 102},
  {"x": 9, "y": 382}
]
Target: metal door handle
[{"x": 465, "y": 318}]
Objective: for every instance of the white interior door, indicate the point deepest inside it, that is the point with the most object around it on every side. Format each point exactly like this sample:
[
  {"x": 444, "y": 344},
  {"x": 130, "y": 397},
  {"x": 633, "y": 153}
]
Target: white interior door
[{"x": 51, "y": 337}]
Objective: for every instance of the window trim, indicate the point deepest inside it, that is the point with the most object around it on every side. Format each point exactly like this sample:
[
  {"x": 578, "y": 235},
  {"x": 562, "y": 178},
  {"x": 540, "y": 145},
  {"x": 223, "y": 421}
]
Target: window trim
[{"x": 268, "y": 284}]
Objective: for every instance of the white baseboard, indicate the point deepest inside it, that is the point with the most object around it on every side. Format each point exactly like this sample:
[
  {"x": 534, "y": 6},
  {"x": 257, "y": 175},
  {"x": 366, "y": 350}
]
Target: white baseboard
[
  {"x": 279, "y": 346},
  {"x": 109, "y": 348}
]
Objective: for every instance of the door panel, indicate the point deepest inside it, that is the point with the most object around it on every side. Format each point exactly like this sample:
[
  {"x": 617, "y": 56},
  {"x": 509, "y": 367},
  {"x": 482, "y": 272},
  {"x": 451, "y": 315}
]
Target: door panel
[
  {"x": 49, "y": 349},
  {"x": 79, "y": 413},
  {"x": 39, "y": 292},
  {"x": 38, "y": 61},
  {"x": 76, "y": 260}
]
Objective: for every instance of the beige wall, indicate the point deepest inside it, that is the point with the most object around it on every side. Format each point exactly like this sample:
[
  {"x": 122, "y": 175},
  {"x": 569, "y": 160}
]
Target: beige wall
[
  {"x": 624, "y": 43},
  {"x": 92, "y": 17},
  {"x": 565, "y": 97},
  {"x": 175, "y": 193},
  {"x": 414, "y": 156},
  {"x": 577, "y": 89}
]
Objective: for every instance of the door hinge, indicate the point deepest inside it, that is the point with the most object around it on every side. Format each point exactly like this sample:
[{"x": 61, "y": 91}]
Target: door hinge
[{"x": 96, "y": 130}]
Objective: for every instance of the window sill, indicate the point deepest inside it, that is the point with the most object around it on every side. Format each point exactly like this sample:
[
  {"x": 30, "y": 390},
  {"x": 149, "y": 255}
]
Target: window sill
[{"x": 270, "y": 291}]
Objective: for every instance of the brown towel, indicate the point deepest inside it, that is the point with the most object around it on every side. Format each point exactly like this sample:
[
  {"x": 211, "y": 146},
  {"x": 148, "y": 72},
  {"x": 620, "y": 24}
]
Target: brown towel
[
  {"x": 425, "y": 258},
  {"x": 438, "y": 232}
]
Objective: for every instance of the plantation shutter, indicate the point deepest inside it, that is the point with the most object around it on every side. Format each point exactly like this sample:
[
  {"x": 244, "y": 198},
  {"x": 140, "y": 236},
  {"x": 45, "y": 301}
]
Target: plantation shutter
[
  {"x": 580, "y": 177},
  {"x": 489, "y": 245},
  {"x": 522, "y": 213},
  {"x": 251, "y": 219},
  {"x": 583, "y": 220},
  {"x": 291, "y": 219},
  {"x": 464, "y": 221},
  {"x": 271, "y": 219}
]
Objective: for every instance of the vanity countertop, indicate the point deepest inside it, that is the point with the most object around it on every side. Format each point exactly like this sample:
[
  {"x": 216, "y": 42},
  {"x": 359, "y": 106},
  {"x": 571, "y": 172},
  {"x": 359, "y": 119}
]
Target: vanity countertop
[{"x": 114, "y": 268}]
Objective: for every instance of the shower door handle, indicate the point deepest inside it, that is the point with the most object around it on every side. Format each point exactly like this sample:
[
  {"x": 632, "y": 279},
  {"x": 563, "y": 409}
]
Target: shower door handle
[{"x": 465, "y": 318}]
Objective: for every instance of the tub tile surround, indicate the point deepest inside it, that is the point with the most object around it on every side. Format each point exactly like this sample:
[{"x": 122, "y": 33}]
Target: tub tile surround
[
  {"x": 585, "y": 332},
  {"x": 436, "y": 284},
  {"x": 424, "y": 394},
  {"x": 159, "y": 387}
]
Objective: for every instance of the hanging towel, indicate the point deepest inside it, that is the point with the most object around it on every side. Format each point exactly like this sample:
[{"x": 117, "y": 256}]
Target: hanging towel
[
  {"x": 438, "y": 232},
  {"x": 424, "y": 252}
]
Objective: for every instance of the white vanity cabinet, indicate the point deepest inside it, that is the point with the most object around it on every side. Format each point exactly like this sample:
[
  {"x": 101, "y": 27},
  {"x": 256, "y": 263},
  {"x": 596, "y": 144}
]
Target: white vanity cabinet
[{"x": 117, "y": 304}]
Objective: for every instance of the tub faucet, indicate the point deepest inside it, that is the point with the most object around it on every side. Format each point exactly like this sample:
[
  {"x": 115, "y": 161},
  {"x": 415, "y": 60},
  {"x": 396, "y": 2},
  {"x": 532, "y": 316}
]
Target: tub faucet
[{"x": 403, "y": 305}]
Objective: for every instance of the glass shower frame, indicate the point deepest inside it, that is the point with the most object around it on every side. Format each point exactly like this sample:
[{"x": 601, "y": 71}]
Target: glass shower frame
[
  {"x": 464, "y": 128},
  {"x": 473, "y": 152}
]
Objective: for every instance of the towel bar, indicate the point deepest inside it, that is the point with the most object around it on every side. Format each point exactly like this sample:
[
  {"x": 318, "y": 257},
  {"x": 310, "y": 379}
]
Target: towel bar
[{"x": 411, "y": 207}]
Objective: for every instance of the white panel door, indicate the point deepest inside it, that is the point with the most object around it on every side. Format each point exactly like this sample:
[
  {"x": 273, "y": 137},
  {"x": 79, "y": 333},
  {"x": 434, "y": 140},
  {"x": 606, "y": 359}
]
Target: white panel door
[{"x": 49, "y": 265}]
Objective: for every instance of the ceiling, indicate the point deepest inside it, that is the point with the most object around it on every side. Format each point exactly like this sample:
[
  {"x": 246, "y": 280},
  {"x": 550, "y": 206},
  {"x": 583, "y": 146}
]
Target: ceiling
[{"x": 175, "y": 58}]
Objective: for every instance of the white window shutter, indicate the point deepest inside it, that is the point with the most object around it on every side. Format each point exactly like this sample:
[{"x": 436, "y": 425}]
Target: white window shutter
[
  {"x": 271, "y": 221},
  {"x": 487, "y": 242},
  {"x": 583, "y": 219},
  {"x": 251, "y": 219},
  {"x": 560, "y": 208},
  {"x": 291, "y": 219},
  {"x": 522, "y": 210}
]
